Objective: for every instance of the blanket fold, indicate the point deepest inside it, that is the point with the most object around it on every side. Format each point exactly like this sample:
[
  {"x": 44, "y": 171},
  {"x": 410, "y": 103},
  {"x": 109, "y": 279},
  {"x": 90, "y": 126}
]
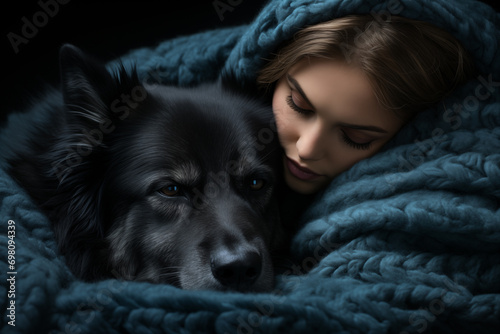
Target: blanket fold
[{"x": 407, "y": 241}]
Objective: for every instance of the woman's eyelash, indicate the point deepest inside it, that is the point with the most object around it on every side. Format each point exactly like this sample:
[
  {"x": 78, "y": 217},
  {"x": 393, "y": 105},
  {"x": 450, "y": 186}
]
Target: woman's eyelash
[
  {"x": 353, "y": 144},
  {"x": 289, "y": 101}
]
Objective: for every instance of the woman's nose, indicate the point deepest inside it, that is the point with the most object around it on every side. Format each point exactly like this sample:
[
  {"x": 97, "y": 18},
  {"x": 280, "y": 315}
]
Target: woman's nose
[{"x": 310, "y": 145}]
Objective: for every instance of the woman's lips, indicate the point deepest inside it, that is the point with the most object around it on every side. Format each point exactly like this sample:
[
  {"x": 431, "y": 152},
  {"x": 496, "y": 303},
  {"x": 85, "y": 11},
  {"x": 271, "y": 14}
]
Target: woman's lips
[{"x": 299, "y": 171}]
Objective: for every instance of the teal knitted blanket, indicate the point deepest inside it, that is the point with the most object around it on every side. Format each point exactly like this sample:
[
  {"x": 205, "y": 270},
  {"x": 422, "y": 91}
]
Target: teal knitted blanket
[{"x": 407, "y": 241}]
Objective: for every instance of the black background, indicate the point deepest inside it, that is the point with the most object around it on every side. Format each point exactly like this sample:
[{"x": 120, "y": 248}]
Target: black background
[{"x": 105, "y": 29}]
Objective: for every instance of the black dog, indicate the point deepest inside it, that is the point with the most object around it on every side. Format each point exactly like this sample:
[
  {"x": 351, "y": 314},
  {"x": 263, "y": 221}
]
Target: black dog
[{"x": 156, "y": 183}]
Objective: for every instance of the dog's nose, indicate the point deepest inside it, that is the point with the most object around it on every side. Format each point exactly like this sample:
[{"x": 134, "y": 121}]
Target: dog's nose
[{"x": 237, "y": 271}]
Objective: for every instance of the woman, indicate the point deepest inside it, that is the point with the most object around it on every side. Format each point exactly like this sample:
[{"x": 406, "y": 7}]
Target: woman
[{"x": 344, "y": 88}]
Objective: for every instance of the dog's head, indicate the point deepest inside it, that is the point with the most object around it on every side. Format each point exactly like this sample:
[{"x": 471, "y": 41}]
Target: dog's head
[{"x": 178, "y": 181}]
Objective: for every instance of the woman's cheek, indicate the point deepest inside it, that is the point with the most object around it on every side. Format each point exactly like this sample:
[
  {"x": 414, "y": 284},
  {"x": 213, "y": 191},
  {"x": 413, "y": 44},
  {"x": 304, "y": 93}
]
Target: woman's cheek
[
  {"x": 282, "y": 122},
  {"x": 281, "y": 128}
]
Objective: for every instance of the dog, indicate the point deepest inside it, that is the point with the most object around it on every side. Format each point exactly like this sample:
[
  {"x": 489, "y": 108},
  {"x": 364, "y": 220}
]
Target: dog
[{"x": 157, "y": 183}]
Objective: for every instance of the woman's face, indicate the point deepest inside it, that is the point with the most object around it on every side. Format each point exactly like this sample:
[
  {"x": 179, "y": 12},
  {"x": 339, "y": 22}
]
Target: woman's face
[{"x": 328, "y": 119}]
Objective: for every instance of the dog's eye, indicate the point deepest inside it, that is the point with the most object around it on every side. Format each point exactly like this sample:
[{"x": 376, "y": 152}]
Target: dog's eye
[
  {"x": 257, "y": 184},
  {"x": 170, "y": 190}
]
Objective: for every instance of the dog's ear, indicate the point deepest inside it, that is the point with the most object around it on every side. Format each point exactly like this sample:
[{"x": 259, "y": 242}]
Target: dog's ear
[
  {"x": 90, "y": 91},
  {"x": 84, "y": 83}
]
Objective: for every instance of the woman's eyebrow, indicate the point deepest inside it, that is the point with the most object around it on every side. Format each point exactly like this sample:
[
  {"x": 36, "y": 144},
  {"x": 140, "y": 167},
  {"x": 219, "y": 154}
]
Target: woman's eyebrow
[{"x": 296, "y": 85}]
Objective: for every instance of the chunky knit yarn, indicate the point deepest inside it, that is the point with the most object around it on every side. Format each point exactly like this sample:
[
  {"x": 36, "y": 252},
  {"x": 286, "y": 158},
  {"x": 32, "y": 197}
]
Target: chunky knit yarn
[{"x": 407, "y": 241}]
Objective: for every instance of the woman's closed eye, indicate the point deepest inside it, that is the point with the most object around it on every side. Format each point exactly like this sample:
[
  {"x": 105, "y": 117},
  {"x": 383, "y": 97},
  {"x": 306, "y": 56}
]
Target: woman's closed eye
[
  {"x": 351, "y": 137},
  {"x": 356, "y": 140},
  {"x": 298, "y": 105}
]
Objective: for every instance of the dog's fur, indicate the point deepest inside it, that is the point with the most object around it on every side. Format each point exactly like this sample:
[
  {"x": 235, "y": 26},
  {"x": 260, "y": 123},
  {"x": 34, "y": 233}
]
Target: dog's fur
[{"x": 156, "y": 183}]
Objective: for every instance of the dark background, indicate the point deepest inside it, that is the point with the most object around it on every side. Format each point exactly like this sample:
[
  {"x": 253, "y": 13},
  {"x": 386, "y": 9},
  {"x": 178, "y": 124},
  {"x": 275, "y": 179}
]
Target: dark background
[{"x": 105, "y": 29}]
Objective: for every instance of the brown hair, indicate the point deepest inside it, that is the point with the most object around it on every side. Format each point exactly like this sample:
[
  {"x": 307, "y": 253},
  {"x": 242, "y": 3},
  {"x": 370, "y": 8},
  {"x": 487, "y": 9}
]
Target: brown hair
[{"x": 411, "y": 64}]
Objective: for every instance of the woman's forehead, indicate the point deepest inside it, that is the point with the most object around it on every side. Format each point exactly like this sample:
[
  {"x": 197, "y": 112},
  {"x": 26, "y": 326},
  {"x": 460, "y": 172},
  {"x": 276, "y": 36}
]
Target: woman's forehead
[{"x": 333, "y": 78}]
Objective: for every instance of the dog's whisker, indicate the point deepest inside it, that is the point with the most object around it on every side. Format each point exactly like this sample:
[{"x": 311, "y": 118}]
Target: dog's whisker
[{"x": 168, "y": 275}]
